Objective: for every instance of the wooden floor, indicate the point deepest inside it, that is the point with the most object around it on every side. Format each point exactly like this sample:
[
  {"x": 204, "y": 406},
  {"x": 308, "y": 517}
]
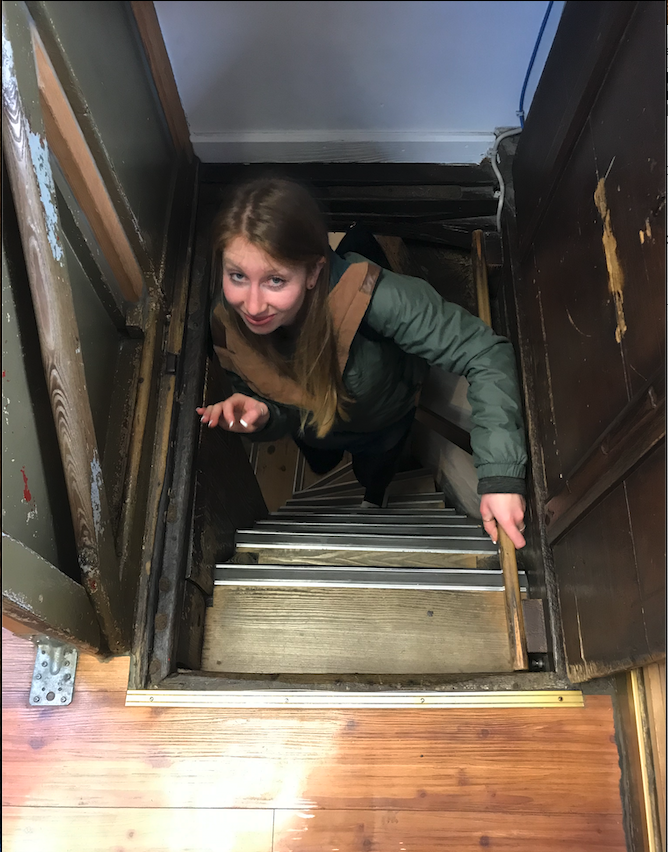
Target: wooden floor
[{"x": 99, "y": 776}]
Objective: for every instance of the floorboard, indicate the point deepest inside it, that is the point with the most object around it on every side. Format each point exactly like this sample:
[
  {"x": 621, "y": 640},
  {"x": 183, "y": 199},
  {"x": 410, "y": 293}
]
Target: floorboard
[
  {"x": 135, "y": 829},
  {"x": 403, "y": 831},
  {"x": 427, "y": 780}
]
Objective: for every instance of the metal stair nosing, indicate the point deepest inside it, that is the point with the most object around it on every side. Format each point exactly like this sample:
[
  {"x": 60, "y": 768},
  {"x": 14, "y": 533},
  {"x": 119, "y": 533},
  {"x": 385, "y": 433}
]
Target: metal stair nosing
[
  {"x": 252, "y": 540},
  {"x": 318, "y": 525},
  {"x": 310, "y": 576},
  {"x": 354, "y": 511},
  {"x": 354, "y": 519},
  {"x": 434, "y": 500}
]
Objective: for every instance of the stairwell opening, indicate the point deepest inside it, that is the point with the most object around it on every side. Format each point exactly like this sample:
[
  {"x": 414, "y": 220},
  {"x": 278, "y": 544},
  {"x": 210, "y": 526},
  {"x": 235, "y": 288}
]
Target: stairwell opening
[{"x": 311, "y": 592}]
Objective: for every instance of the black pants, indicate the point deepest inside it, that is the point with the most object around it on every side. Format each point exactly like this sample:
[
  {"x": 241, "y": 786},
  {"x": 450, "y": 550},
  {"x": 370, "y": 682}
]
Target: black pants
[{"x": 373, "y": 470}]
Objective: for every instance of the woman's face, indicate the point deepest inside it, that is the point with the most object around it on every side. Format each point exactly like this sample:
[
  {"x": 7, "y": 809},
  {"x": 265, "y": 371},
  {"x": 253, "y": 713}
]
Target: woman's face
[{"x": 264, "y": 292}]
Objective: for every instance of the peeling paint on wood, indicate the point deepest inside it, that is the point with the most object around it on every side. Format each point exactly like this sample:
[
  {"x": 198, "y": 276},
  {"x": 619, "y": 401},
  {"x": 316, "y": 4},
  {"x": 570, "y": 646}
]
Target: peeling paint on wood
[
  {"x": 646, "y": 232},
  {"x": 96, "y": 490},
  {"x": 39, "y": 154},
  {"x": 27, "y": 496},
  {"x": 615, "y": 272}
]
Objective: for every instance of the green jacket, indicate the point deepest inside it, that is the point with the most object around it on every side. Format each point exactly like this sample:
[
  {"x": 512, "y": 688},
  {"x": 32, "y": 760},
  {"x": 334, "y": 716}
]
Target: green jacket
[{"x": 407, "y": 328}]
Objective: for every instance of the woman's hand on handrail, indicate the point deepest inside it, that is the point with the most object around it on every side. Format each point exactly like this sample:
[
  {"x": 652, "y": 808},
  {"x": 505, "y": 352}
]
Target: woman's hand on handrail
[
  {"x": 508, "y": 511},
  {"x": 237, "y": 413}
]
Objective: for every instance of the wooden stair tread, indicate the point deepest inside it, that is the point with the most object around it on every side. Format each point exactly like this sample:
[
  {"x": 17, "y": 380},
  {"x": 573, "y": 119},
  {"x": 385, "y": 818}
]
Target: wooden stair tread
[
  {"x": 365, "y": 631},
  {"x": 384, "y": 558}
]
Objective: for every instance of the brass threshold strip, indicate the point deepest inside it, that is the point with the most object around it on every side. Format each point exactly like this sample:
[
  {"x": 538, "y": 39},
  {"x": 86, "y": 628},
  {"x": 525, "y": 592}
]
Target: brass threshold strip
[
  {"x": 314, "y": 699},
  {"x": 649, "y": 797}
]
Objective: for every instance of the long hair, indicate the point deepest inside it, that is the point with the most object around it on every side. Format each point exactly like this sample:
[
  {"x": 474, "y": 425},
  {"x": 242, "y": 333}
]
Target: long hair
[{"x": 282, "y": 218}]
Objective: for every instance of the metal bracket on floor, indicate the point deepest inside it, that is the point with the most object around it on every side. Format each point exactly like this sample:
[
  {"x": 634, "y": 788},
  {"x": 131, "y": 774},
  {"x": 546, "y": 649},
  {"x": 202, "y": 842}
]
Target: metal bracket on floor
[{"x": 53, "y": 676}]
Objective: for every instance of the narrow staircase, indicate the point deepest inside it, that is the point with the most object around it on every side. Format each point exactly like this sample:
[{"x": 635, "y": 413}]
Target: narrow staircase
[{"x": 325, "y": 587}]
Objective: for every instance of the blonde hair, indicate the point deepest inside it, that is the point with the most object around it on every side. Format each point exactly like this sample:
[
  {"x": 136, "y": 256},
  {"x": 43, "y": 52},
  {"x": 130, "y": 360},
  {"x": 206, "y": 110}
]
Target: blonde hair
[{"x": 282, "y": 218}]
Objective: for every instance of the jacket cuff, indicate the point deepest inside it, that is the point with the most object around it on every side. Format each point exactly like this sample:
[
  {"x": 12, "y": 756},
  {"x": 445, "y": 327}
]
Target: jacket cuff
[
  {"x": 487, "y": 470},
  {"x": 281, "y": 423},
  {"x": 502, "y": 485}
]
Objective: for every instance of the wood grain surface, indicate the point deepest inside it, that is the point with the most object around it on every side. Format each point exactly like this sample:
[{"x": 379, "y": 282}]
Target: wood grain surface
[
  {"x": 400, "y": 831},
  {"x": 379, "y": 558},
  {"x": 357, "y": 780},
  {"x": 33, "y": 189},
  {"x": 130, "y": 829},
  {"x": 374, "y": 631}
]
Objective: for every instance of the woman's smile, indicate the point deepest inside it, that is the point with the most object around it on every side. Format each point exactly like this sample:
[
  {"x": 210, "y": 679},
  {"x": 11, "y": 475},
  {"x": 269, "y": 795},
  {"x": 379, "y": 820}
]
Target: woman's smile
[{"x": 258, "y": 320}]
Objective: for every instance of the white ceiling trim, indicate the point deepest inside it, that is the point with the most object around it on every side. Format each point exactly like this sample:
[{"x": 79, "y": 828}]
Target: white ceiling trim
[{"x": 344, "y": 146}]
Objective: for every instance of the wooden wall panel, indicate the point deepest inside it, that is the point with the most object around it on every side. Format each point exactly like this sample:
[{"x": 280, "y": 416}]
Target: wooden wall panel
[
  {"x": 585, "y": 387},
  {"x": 589, "y": 175},
  {"x": 580, "y": 56},
  {"x": 646, "y": 499},
  {"x": 596, "y": 563},
  {"x": 628, "y": 144}
]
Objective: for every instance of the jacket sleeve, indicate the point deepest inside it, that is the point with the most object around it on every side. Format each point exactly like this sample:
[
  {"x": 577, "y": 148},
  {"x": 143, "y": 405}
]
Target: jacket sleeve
[
  {"x": 283, "y": 419},
  {"x": 409, "y": 311}
]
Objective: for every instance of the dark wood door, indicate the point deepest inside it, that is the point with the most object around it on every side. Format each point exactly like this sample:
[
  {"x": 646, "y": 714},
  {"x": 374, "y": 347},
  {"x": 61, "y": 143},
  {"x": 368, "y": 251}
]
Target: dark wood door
[{"x": 589, "y": 176}]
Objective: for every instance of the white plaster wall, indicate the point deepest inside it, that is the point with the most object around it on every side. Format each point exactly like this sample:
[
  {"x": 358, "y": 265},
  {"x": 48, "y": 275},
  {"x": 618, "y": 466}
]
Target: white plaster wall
[{"x": 358, "y": 81}]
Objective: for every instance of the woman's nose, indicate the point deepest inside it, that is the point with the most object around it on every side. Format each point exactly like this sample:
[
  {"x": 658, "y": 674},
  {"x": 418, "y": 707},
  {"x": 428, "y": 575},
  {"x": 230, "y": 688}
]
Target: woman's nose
[{"x": 255, "y": 304}]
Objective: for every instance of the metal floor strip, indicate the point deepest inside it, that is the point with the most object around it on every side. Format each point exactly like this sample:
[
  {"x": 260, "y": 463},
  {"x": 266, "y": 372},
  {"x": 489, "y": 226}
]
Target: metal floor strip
[{"x": 332, "y": 699}]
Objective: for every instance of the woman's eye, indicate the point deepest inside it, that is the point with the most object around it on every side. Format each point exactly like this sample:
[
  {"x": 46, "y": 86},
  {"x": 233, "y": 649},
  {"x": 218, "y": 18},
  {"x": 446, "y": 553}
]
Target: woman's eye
[
  {"x": 277, "y": 282},
  {"x": 236, "y": 276}
]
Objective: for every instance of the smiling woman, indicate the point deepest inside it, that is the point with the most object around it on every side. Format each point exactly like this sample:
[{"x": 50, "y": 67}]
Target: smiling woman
[
  {"x": 332, "y": 349},
  {"x": 272, "y": 243}
]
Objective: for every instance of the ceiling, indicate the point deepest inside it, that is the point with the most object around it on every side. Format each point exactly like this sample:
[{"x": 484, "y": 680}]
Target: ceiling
[{"x": 351, "y": 81}]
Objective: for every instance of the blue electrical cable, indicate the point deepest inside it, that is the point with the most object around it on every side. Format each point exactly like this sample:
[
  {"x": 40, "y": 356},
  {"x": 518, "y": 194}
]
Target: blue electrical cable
[{"x": 520, "y": 113}]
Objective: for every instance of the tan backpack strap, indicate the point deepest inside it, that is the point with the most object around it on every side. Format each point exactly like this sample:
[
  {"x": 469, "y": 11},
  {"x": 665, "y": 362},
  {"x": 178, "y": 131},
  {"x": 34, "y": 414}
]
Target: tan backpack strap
[
  {"x": 218, "y": 326},
  {"x": 349, "y": 301}
]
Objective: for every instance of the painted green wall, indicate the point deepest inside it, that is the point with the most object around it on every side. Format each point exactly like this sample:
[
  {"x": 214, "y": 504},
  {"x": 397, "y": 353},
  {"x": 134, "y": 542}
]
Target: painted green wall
[
  {"x": 104, "y": 71},
  {"x": 35, "y": 510}
]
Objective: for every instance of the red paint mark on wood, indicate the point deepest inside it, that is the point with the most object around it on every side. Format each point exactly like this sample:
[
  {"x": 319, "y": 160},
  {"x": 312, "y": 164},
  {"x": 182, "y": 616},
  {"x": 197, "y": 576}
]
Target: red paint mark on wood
[
  {"x": 4, "y": 374},
  {"x": 27, "y": 496}
]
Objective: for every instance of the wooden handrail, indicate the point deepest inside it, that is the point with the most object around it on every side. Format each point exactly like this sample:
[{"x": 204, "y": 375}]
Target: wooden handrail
[
  {"x": 163, "y": 75},
  {"x": 511, "y": 584}
]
